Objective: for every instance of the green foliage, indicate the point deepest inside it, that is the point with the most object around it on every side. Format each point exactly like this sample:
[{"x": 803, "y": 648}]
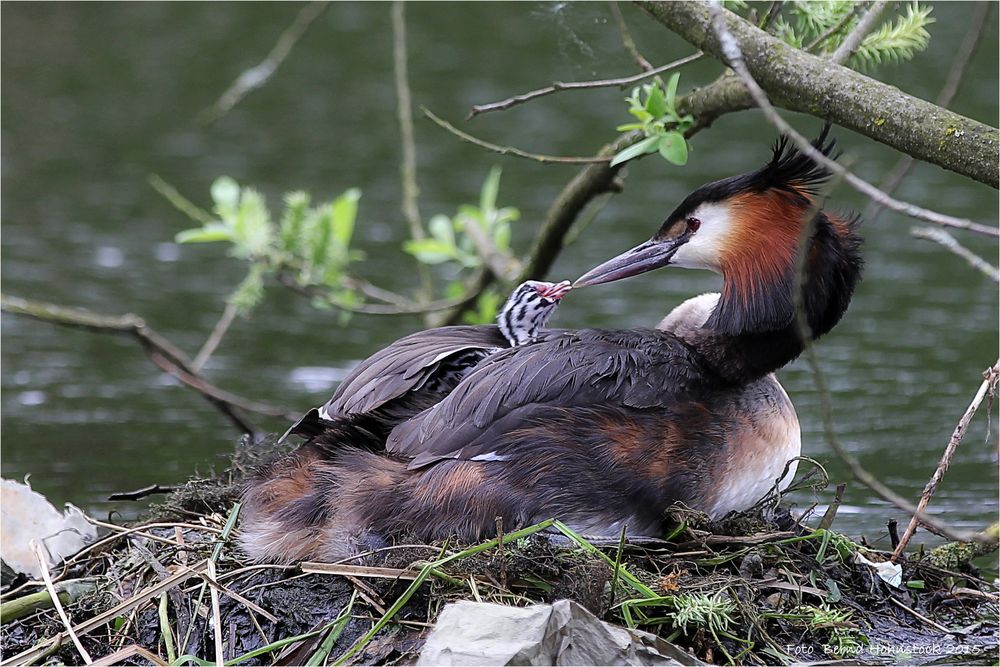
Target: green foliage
[
  {"x": 487, "y": 306},
  {"x": 448, "y": 238},
  {"x": 310, "y": 246},
  {"x": 843, "y": 637},
  {"x": 895, "y": 42},
  {"x": 655, "y": 109},
  {"x": 823, "y": 25}
]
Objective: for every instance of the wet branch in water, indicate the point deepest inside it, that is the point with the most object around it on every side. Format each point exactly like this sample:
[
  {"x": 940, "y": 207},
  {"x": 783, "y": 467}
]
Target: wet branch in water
[{"x": 167, "y": 356}]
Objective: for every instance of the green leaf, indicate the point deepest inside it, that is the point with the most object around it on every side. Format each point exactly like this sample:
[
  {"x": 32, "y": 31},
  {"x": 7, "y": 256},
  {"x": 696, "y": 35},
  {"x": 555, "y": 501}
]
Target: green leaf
[
  {"x": 672, "y": 89},
  {"x": 673, "y": 148},
  {"x": 441, "y": 228},
  {"x": 489, "y": 191},
  {"x": 253, "y": 230},
  {"x": 249, "y": 292},
  {"x": 296, "y": 209},
  {"x": 226, "y": 195},
  {"x": 628, "y": 127},
  {"x": 656, "y": 104},
  {"x": 430, "y": 251},
  {"x": 916, "y": 584},
  {"x": 345, "y": 212},
  {"x": 206, "y": 234},
  {"x": 501, "y": 235},
  {"x": 647, "y": 145}
]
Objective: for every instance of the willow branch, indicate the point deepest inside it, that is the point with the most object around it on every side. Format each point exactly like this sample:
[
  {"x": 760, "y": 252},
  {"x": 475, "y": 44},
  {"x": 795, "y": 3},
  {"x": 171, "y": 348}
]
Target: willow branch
[
  {"x": 167, "y": 356},
  {"x": 627, "y": 40},
  {"x": 500, "y": 263},
  {"x": 257, "y": 76},
  {"x": 398, "y": 308},
  {"x": 508, "y": 150},
  {"x": 733, "y": 55},
  {"x": 799, "y": 81},
  {"x": 973, "y": 36},
  {"x": 988, "y": 385},
  {"x": 212, "y": 342},
  {"x": 404, "y": 113},
  {"x": 580, "y": 85},
  {"x": 834, "y": 29},
  {"x": 945, "y": 239}
]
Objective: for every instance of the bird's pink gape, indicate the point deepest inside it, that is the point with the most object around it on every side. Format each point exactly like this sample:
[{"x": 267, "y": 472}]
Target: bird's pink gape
[{"x": 556, "y": 291}]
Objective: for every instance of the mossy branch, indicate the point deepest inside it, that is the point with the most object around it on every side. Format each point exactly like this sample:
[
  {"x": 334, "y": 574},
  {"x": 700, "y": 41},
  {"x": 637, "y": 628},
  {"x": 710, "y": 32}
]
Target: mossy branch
[{"x": 798, "y": 81}]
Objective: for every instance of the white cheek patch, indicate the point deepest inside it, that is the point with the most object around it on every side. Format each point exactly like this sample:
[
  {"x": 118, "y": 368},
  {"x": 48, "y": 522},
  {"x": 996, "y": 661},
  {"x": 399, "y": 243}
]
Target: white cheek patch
[{"x": 704, "y": 250}]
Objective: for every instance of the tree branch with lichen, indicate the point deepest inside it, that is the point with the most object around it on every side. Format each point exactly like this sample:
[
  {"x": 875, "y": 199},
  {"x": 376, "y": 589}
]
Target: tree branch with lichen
[{"x": 798, "y": 81}]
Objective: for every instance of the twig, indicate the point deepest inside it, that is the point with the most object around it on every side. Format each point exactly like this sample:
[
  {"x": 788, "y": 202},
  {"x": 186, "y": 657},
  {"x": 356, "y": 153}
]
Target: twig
[
  {"x": 627, "y": 40},
  {"x": 408, "y": 164},
  {"x": 921, "y": 617},
  {"x": 948, "y": 241},
  {"x": 772, "y": 13},
  {"x": 216, "y": 615},
  {"x": 360, "y": 571},
  {"x": 988, "y": 385},
  {"x": 179, "y": 201},
  {"x": 858, "y": 34},
  {"x": 734, "y": 57},
  {"x": 500, "y": 263},
  {"x": 575, "y": 85},
  {"x": 139, "y": 494},
  {"x": 413, "y": 308},
  {"x": 508, "y": 150},
  {"x": 165, "y": 631},
  {"x": 834, "y": 29},
  {"x": 831, "y": 511},
  {"x": 257, "y": 76},
  {"x": 220, "y": 329},
  {"x": 500, "y": 554},
  {"x": 973, "y": 37},
  {"x": 893, "y": 527},
  {"x": 43, "y": 564},
  {"x": 167, "y": 356},
  {"x": 404, "y": 113}
]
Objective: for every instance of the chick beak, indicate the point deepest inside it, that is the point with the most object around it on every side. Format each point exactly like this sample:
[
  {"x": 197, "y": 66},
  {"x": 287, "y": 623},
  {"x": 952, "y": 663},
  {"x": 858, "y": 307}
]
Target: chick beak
[{"x": 644, "y": 257}]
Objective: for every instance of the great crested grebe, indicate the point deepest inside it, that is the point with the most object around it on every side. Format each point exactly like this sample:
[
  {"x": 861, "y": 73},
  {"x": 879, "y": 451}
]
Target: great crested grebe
[{"x": 600, "y": 428}]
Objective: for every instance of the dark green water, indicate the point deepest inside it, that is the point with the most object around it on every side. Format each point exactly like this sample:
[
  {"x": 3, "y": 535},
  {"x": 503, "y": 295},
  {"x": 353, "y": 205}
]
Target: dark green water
[{"x": 98, "y": 96}]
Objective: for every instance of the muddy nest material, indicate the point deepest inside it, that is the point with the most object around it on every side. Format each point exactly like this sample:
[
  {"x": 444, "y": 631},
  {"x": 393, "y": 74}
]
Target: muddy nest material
[{"x": 757, "y": 588}]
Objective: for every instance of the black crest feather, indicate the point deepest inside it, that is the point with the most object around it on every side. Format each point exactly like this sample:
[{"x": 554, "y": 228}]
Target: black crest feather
[{"x": 790, "y": 169}]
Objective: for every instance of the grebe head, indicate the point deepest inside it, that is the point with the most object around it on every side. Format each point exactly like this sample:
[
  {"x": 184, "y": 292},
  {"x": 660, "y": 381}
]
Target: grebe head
[
  {"x": 745, "y": 227},
  {"x": 528, "y": 308}
]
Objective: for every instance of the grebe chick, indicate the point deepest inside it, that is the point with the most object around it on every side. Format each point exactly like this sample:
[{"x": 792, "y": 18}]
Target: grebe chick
[{"x": 417, "y": 371}]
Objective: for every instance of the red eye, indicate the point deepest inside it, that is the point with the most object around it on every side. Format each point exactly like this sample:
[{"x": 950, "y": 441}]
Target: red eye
[{"x": 694, "y": 224}]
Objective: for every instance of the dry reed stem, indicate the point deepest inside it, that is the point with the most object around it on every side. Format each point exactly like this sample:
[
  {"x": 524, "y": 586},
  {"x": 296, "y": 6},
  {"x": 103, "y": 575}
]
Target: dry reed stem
[{"x": 43, "y": 564}]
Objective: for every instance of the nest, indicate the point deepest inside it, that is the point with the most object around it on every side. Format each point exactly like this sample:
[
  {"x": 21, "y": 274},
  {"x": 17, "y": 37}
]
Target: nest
[{"x": 757, "y": 588}]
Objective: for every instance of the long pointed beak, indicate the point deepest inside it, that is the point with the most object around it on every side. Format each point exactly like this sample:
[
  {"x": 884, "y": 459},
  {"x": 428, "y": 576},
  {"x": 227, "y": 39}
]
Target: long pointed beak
[{"x": 645, "y": 257}]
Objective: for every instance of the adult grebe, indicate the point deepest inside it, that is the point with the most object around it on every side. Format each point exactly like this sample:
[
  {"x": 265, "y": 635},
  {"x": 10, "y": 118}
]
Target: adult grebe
[{"x": 600, "y": 428}]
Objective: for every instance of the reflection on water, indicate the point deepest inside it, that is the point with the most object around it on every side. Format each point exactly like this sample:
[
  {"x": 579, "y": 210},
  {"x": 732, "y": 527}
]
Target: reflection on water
[{"x": 87, "y": 118}]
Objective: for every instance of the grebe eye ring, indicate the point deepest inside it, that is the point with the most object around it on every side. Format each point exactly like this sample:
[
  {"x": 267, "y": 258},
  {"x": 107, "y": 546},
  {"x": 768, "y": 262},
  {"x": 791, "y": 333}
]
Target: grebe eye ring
[{"x": 693, "y": 225}]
